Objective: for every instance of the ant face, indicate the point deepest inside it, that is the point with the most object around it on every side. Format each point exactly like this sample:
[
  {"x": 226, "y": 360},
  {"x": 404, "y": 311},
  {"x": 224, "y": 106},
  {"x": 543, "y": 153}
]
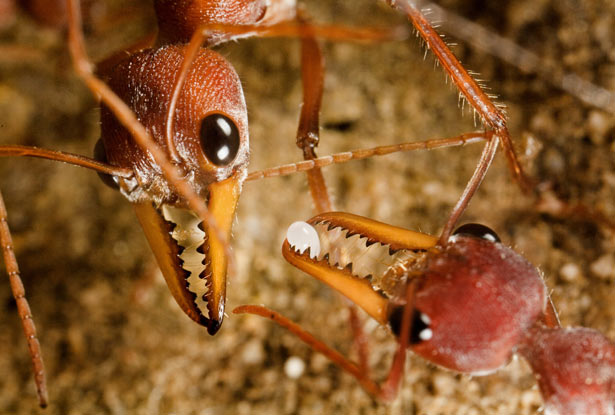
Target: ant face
[
  {"x": 205, "y": 154},
  {"x": 474, "y": 300},
  {"x": 210, "y": 146}
]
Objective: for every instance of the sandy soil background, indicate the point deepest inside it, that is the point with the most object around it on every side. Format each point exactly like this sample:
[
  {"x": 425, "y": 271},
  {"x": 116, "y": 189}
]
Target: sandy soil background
[{"x": 114, "y": 341}]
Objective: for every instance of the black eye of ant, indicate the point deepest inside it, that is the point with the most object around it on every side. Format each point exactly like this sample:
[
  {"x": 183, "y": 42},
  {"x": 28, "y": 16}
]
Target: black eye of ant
[
  {"x": 219, "y": 139},
  {"x": 478, "y": 231},
  {"x": 419, "y": 331},
  {"x": 100, "y": 154}
]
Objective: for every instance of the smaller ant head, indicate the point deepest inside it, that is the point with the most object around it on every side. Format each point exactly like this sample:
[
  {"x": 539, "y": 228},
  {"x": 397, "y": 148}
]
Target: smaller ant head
[{"x": 473, "y": 302}]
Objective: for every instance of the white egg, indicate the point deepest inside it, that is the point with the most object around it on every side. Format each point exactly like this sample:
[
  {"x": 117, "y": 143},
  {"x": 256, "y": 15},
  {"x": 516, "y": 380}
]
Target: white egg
[{"x": 301, "y": 236}]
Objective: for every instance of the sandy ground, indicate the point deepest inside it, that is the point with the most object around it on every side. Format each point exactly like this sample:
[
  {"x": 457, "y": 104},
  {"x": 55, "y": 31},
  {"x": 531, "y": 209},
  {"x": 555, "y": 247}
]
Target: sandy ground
[{"x": 114, "y": 341}]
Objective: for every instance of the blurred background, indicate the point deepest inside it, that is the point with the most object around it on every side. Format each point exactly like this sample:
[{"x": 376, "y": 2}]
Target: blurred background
[{"x": 113, "y": 339}]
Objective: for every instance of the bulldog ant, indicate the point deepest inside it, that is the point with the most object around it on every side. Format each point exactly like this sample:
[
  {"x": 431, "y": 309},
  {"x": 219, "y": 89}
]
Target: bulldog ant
[
  {"x": 136, "y": 254},
  {"x": 574, "y": 367},
  {"x": 466, "y": 305}
]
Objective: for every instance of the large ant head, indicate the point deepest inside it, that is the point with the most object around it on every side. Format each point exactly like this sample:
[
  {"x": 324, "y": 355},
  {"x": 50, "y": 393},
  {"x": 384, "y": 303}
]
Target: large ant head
[
  {"x": 209, "y": 145},
  {"x": 474, "y": 300}
]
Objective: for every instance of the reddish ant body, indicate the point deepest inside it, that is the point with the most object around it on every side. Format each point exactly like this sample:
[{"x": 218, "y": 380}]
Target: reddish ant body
[
  {"x": 488, "y": 301},
  {"x": 466, "y": 305},
  {"x": 86, "y": 279}
]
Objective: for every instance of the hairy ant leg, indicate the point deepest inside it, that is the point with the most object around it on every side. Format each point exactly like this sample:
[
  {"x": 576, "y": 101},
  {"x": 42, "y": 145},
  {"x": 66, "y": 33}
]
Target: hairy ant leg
[
  {"x": 19, "y": 294},
  {"x": 547, "y": 194}
]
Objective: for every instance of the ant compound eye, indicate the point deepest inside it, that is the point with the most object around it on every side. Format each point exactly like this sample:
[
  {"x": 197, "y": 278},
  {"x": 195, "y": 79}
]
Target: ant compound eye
[
  {"x": 419, "y": 330},
  {"x": 100, "y": 154},
  {"x": 219, "y": 139},
  {"x": 478, "y": 231}
]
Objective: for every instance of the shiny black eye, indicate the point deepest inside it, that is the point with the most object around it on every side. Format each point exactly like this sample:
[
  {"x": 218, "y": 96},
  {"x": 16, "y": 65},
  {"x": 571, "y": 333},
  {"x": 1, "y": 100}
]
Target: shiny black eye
[
  {"x": 419, "y": 331},
  {"x": 478, "y": 231},
  {"x": 219, "y": 139},
  {"x": 100, "y": 154}
]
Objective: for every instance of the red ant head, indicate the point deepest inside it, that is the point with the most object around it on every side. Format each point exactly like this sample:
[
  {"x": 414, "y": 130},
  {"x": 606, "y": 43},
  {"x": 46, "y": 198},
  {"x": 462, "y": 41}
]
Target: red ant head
[
  {"x": 574, "y": 368},
  {"x": 474, "y": 300},
  {"x": 210, "y": 147},
  {"x": 210, "y": 130}
]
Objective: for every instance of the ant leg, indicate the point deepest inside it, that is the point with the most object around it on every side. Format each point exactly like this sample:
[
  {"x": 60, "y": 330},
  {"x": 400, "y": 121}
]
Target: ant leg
[
  {"x": 389, "y": 389},
  {"x": 70, "y": 158},
  {"x": 489, "y": 112},
  {"x": 308, "y": 132},
  {"x": 23, "y": 308},
  {"x": 360, "y": 154},
  {"x": 336, "y": 357},
  {"x": 479, "y": 174}
]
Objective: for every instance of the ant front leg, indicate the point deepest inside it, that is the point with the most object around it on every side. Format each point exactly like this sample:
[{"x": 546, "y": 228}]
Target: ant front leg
[
  {"x": 19, "y": 294},
  {"x": 386, "y": 391},
  {"x": 308, "y": 132},
  {"x": 490, "y": 114}
]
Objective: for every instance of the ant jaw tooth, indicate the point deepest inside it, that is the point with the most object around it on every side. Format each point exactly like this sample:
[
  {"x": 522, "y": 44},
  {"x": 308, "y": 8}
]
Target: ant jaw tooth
[{"x": 302, "y": 236}]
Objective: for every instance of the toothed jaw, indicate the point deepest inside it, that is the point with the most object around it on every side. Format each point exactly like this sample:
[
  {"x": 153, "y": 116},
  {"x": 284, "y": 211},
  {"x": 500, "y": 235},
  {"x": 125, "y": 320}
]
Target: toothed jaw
[
  {"x": 189, "y": 235},
  {"x": 335, "y": 247},
  {"x": 193, "y": 256}
]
